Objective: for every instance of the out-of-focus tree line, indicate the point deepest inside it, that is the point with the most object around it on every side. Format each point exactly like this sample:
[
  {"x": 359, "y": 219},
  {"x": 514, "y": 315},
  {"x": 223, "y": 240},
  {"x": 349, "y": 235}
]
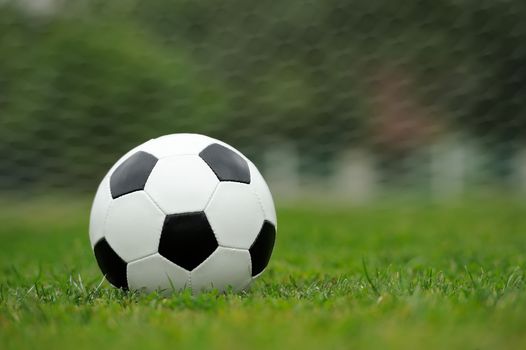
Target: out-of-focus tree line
[{"x": 82, "y": 82}]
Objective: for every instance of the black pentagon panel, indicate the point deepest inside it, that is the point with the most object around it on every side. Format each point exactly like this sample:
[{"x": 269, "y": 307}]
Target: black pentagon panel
[
  {"x": 261, "y": 249},
  {"x": 187, "y": 239},
  {"x": 111, "y": 264},
  {"x": 132, "y": 174},
  {"x": 226, "y": 164}
]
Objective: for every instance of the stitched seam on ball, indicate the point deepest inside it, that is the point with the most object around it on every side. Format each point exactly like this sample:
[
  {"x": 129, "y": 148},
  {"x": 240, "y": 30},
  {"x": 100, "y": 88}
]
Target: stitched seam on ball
[
  {"x": 135, "y": 259},
  {"x": 162, "y": 223},
  {"x": 235, "y": 248},
  {"x": 267, "y": 215},
  {"x": 142, "y": 257},
  {"x": 243, "y": 250},
  {"x": 260, "y": 203},
  {"x": 251, "y": 186},
  {"x": 204, "y": 211},
  {"x": 215, "y": 175},
  {"x": 154, "y": 202},
  {"x": 179, "y": 155},
  {"x": 211, "y": 196},
  {"x": 185, "y": 154},
  {"x": 208, "y": 258}
]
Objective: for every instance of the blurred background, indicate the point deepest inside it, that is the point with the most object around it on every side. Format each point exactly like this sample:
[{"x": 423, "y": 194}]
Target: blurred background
[{"x": 334, "y": 99}]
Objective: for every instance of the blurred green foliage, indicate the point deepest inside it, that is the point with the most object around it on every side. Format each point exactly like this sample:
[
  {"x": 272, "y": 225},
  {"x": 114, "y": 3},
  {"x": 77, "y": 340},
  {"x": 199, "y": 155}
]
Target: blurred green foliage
[{"x": 86, "y": 82}]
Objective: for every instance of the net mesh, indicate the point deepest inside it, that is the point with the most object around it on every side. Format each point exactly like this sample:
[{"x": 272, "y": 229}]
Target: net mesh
[{"x": 335, "y": 98}]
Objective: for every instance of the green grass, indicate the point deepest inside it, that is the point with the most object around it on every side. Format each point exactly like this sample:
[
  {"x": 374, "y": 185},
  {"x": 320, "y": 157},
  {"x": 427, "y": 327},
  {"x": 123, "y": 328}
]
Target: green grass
[{"x": 396, "y": 276}]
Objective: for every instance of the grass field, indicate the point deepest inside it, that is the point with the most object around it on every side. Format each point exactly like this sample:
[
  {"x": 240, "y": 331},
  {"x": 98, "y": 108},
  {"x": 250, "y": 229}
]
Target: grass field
[{"x": 398, "y": 276}]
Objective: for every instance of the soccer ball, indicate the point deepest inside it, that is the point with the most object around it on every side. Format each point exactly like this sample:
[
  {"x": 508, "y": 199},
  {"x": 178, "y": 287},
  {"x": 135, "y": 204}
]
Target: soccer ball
[{"x": 183, "y": 211}]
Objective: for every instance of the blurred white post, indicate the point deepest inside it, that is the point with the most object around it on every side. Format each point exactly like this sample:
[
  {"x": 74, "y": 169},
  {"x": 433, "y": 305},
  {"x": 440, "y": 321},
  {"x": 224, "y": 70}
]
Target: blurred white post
[
  {"x": 282, "y": 171},
  {"x": 355, "y": 179},
  {"x": 449, "y": 163},
  {"x": 38, "y": 7}
]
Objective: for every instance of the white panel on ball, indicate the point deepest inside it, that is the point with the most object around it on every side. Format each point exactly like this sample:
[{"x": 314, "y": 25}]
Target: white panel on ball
[
  {"x": 226, "y": 267},
  {"x": 261, "y": 189},
  {"x": 99, "y": 210},
  {"x": 177, "y": 144},
  {"x": 235, "y": 215},
  {"x": 181, "y": 184},
  {"x": 133, "y": 226},
  {"x": 156, "y": 273}
]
